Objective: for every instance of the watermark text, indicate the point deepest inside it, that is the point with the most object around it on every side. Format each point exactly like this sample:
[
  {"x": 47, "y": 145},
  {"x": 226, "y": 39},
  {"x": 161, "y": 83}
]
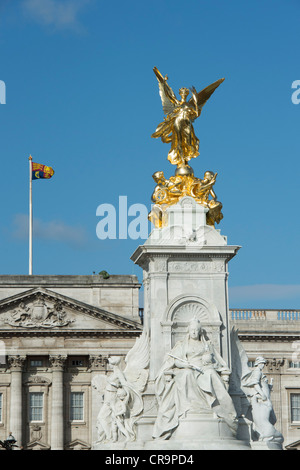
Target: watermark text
[
  {"x": 2, "y": 92},
  {"x": 296, "y": 94}
]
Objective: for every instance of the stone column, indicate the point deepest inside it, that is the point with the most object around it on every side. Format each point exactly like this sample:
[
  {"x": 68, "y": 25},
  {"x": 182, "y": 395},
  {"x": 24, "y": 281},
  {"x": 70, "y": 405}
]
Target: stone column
[
  {"x": 57, "y": 409},
  {"x": 16, "y": 366},
  {"x": 98, "y": 367}
]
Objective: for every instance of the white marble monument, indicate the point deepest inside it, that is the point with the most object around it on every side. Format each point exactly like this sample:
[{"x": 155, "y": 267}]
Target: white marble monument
[
  {"x": 179, "y": 387},
  {"x": 174, "y": 390}
]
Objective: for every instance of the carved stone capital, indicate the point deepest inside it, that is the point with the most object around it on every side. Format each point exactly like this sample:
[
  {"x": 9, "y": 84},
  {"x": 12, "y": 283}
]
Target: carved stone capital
[
  {"x": 57, "y": 362},
  {"x": 275, "y": 363},
  {"x": 98, "y": 362},
  {"x": 16, "y": 362}
]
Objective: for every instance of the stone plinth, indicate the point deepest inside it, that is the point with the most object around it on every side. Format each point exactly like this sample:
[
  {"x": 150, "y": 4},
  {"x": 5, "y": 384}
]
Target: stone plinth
[{"x": 266, "y": 445}]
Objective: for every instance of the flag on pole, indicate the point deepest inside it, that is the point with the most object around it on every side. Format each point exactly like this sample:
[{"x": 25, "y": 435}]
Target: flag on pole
[
  {"x": 36, "y": 172},
  {"x": 41, "y": 171}
]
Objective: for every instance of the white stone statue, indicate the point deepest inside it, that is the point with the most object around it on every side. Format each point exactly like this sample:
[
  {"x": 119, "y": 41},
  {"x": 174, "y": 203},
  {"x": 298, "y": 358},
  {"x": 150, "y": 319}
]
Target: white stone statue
[
  {"x": 256, "y": 387},
  {"x": 254, "y": 384},
  {"x": 193, "y": 379},
  {"x": 123, "y": 402}
]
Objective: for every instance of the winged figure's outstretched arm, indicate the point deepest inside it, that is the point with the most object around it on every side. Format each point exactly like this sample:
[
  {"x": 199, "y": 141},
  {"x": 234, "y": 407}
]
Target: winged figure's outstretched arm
[{"x": 168, "y": 98}]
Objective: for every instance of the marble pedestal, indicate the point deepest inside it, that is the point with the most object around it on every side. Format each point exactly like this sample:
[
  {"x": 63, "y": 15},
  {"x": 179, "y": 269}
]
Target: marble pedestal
[{"x": 266, "y": 445}]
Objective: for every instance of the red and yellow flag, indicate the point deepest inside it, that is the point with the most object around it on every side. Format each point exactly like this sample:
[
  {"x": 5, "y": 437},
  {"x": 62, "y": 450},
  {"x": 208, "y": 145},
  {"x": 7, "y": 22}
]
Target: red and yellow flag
[{"x": 41, "y": 171}]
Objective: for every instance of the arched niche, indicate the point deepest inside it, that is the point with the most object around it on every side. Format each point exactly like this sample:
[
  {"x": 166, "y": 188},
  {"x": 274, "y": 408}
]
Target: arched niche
[{"x": 181, "y": 311}]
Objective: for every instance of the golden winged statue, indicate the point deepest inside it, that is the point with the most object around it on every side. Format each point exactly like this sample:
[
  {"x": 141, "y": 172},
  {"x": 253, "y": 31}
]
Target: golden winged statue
[{"x": 177, "y": 127}]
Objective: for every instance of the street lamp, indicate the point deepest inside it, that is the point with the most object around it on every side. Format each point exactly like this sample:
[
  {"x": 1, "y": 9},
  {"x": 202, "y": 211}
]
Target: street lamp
[{"x": 9, "y": 443}]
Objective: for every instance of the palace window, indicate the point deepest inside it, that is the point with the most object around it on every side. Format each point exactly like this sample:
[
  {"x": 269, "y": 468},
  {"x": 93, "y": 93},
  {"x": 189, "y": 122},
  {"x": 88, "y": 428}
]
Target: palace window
[
  {"x": 77, "y": 361},
  {"x": 76, "y": 406},
  {"x": 294, "y": 365},
  {"x": 36, "y": 405},
  {"x": 36, "y": 363},
  {"x": 295, "y": 407}
]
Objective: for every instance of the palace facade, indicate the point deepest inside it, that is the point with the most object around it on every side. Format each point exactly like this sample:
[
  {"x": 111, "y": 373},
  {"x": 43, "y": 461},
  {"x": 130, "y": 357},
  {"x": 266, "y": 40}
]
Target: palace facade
[
  {"x": 275, "y": 334},
  {"x": 57, "y": 333}
]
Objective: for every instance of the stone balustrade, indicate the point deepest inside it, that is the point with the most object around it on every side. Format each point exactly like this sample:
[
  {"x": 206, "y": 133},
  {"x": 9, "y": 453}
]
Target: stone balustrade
[
  {"x": 264, "y": 314},
  {"x": 257, "y": 314}
]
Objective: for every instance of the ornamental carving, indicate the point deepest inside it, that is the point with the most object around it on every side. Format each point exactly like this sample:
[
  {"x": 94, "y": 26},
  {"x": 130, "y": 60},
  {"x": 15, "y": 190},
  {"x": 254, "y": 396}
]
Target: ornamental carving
[
  {"x": 57, "y": 362},
  {"x": 98, "y": 362},
  {"x": 16, "y": 362},
  {"x": 190, "y": 310},
  {"x": 37, "y": 380},
  {"x": 275, "y": 363},
  {"x": 36, "y": 433},
  {"x": 39, "y": 314},
  {"x": 196, "y": 267},
  {"x": 160, "y": 265}
]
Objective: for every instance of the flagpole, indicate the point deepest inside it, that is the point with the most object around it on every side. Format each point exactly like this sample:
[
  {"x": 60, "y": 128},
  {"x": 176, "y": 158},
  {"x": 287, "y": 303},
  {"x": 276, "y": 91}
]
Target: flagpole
[{"x": 30, "y": 215}]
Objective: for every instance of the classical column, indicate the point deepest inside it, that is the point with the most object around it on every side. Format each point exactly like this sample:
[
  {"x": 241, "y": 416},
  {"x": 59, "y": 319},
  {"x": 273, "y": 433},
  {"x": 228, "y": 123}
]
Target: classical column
[
  {"x": 98, "y": 368},
  {"x": 57, "y": 410},
  {"x": 16, "y": 366}
]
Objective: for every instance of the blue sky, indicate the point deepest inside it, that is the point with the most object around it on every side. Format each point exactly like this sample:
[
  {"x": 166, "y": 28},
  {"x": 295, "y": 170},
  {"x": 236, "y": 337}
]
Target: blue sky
[{"x": 81, "y": 97}]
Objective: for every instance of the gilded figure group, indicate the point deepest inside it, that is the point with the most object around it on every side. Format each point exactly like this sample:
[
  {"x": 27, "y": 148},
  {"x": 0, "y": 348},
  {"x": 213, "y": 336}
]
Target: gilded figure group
[{"x": 177, "y": 129}]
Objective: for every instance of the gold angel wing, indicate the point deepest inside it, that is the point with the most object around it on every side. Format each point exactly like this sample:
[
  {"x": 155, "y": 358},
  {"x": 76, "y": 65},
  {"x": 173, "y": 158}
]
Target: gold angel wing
[
  {"x": 168, "y": 98},
  {"x": 204, "y": 95}
]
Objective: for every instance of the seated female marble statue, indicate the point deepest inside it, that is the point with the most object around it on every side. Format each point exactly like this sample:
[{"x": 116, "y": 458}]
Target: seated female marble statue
[{"x": 192, "y": 380}]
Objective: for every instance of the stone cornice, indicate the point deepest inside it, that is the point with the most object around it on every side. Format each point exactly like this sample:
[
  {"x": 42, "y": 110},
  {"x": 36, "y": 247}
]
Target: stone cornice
[
  {"x": 269, "y": 336},
  {"x": 67, "y": 280},
  {"x": 70, "y": 333},
  {"x": 226, "y": 252}
]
